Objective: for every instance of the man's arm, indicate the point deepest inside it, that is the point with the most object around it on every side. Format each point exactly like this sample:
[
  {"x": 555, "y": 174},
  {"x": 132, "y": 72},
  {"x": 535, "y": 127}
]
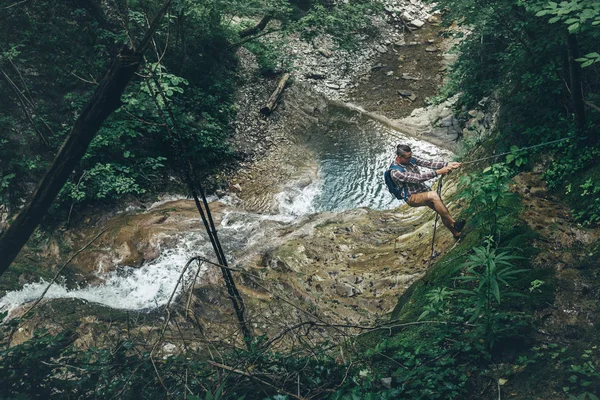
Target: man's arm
[
  {"x": 442, "y": 167},
  {"x": 433, "y": 164},
  {"x": 411, "y": 177}
]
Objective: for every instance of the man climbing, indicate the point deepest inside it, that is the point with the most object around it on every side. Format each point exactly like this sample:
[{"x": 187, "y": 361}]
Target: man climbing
[{"x": 407, "y": 176}]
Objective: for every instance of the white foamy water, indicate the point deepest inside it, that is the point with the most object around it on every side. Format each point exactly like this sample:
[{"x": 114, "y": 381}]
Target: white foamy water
[
  {"x": 297, "y": 200},
  {"x": 151, "y": 285},
  {"x": 143, "y": 288}
]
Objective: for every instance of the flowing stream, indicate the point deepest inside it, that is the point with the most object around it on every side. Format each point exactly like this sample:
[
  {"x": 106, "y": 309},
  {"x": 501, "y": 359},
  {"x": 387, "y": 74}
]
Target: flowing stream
[{"x": 351, "y": 158}]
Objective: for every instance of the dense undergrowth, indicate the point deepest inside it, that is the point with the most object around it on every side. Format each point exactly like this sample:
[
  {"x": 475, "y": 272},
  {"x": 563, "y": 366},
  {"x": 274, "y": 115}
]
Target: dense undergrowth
[{"x": 51, "y": 70}]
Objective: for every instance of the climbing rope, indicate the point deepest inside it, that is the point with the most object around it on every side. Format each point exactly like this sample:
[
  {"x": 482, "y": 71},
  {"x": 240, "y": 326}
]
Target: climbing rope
[
  {"x": 517, "y": 151},
  {"x": 439, "y": 192}
]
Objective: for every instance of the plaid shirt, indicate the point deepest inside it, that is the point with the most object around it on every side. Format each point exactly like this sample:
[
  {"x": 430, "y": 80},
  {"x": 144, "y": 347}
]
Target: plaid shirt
[{"x": 413, "y": 178}]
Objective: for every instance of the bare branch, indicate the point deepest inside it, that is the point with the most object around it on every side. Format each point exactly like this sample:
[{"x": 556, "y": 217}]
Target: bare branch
[
  {"x": 21, "y": 97},
  {"x": 592, "y": 105},
  {"x": 61, "y": 270},
  {"x": 256, "y": 28},
  {"x": 16, "y": 4},
  {"x": 248, "y": 375}
]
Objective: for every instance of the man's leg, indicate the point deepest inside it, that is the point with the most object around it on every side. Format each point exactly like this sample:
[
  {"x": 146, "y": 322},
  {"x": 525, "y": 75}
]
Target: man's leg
[{"x": 433, "y": 201}]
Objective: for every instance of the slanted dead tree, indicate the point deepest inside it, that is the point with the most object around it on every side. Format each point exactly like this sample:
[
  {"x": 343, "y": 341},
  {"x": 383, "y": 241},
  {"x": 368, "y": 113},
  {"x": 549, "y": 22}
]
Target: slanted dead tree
[
  {"x": 105, "y": 100},
  {"x": 262, "y": 24}
]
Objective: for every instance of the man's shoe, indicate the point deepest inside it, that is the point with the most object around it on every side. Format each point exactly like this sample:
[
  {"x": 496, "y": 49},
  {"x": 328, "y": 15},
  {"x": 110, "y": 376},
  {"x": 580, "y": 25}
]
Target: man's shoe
[{"x": 459, "y": 225}]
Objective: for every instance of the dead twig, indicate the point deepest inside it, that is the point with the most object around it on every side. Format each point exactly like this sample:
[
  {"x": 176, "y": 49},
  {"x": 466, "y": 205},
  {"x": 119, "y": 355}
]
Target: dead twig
[
  {"x": 591, "y": 105},
  {"x": 22, "y": 100},
  {"x": 60, "y": 271},
  {"x": 253, "y": 377},
  {"x": 93, "y": 82},
  {"x": 16, "y": 4},
  {"x": 251, "y": 38}
]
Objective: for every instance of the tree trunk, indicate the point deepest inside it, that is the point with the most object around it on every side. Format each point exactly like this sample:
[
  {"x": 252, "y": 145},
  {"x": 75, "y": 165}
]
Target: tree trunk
[
  {"x": 575, "y": 80},
  {"x": 105, "y": 100},
  {"x": 274, "y": 98}
]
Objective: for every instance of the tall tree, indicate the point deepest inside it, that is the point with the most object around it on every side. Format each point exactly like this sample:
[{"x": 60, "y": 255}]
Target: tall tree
[{"x": 106, "y": 99}]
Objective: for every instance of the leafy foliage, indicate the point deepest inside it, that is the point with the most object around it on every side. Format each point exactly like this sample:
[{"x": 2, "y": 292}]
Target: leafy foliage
[
  {"x": 488, "y": 272},
  {"x": 344, "y": 22},
  {"x": 437, "y": 306},
  {"x": 487, "y": 196},
  {"x": 576, "y": 14},
  {"x": 516, "y": 157},
  {"x": 574, "y": 178},
  {"x": 268, "y": 56},
  {"x": 516, "y": 51},
  {"x": 576, "y": 371},
  {"x": 129, "y": 154}
]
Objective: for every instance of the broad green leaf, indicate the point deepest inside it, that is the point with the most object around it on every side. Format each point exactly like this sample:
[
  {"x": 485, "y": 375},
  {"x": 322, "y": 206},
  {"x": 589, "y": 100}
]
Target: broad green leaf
[
  {"x": 587, "y": 63},
  {"x": 495, "y": 290},
  {"x": 501, "y": 280}
]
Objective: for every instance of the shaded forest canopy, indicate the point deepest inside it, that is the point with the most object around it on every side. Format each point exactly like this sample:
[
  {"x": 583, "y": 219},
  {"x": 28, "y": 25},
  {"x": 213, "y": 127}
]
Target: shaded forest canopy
[
  {"x": 469, "y": 327},
  {"x": 49, "y": 71}
]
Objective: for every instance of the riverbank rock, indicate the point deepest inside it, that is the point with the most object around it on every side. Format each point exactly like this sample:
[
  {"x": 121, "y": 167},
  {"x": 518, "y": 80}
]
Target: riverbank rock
[{"x": 135, "y": 238}]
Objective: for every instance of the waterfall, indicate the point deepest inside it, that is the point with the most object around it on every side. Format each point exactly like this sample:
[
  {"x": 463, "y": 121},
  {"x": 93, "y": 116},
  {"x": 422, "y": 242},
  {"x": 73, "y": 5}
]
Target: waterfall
[{"x": 351, "y": 159}]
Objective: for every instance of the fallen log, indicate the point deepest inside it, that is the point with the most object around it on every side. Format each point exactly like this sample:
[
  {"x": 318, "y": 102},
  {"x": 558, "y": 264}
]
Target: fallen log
[{"x": 274, "y": 98}]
